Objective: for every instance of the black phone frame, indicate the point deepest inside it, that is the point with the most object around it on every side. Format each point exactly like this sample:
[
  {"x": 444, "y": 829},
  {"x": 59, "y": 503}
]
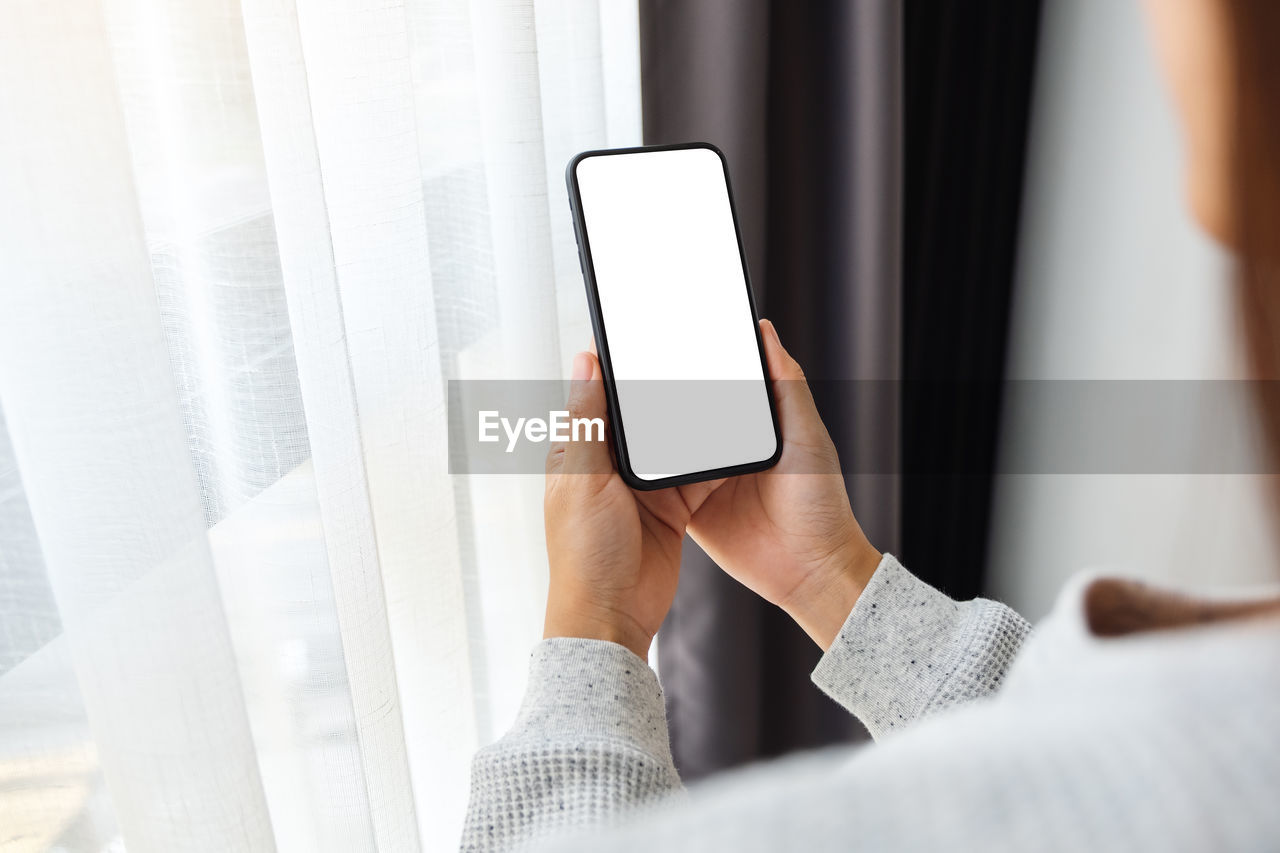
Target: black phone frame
[{"x": 602, "y": 341}]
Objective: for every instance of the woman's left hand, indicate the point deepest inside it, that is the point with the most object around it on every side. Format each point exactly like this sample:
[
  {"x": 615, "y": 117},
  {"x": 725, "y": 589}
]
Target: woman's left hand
[{"x": 614, "y": 552}]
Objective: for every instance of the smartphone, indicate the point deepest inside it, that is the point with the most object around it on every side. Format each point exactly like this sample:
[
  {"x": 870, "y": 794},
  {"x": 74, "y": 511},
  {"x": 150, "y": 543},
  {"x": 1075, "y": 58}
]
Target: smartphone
[{"x": 673, "y": 314}]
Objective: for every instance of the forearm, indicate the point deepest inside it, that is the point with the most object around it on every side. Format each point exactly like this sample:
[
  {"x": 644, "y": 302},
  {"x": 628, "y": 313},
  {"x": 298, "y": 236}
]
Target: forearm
[
  {"x": 590, "y": 745},
  {"x": 907, "y": 650}
]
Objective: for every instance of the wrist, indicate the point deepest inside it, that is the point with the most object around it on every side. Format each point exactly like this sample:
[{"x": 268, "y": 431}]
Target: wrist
[
  {"x": 822, "y": 605},
  {"x": 594, "y": 622}
]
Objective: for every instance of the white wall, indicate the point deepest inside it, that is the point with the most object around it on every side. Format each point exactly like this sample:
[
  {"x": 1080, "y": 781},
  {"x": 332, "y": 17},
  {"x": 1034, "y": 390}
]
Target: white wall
[{"x": 1114, "y": 282}]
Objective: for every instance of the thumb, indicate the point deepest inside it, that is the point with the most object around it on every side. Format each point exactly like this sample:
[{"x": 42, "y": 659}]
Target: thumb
[
  {"x": 587, "y": 451},
  {"x": 797, "y": 413},
  {"x": 783, "y": 369}
]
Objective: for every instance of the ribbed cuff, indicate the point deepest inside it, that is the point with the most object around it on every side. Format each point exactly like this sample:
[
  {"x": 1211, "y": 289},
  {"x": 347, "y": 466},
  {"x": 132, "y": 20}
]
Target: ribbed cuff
[
  {"x": 894, "y": 651},
  {"x": 581, "y": 690}
]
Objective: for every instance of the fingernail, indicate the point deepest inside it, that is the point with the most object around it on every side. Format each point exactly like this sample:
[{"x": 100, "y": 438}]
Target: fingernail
[
  {"x": 773, "y": 332},
  {"x": 581, "y": 367}
]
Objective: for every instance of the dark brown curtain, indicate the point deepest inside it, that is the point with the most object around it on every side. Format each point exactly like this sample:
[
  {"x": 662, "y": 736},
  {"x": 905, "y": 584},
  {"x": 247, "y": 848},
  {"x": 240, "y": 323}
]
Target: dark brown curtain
[
  {"x": 969, "y": 68},
  {"x": 877, "y": 152},
  {"x": 804, "y": 99}
]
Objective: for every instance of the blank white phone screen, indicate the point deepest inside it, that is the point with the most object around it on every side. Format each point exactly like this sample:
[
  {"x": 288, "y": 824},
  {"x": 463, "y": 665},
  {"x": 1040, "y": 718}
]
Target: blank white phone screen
[{"x": 676, "y": 313}]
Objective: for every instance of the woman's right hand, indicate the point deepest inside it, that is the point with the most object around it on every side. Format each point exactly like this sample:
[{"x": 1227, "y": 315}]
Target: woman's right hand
[{"x": 788, "y": 533}]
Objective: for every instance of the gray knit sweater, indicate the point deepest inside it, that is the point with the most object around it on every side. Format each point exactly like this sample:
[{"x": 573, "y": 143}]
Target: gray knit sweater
[{"x": 1133, "y": 719}]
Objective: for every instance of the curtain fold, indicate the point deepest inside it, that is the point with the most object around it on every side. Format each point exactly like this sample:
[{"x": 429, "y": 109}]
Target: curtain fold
[
  {"x": 246, "y": 244},
  {"x": 329, "y": 370},
  {"x": 971, "y": 66}
]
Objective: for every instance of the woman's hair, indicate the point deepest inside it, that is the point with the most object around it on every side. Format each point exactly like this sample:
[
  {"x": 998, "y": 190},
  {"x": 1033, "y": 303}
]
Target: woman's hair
[{"x": 1254, "y": 29}]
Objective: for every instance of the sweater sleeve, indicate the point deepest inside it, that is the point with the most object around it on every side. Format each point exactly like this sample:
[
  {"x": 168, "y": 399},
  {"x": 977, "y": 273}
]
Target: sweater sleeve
[
  {"x": 907, "y": 651},
  {"x": 589, "y": 745}
]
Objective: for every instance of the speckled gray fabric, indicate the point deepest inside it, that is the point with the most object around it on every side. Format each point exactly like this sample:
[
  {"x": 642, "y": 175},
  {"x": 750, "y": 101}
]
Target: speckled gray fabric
[
  {"x": 590, "y": 742},
  {"x": 1157, "y": 740},
  {"x": 907, "y": 650}
]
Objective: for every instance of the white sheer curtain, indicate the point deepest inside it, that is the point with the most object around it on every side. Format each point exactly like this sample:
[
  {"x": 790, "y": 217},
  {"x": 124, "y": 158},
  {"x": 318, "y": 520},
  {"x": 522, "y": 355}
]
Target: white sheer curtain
[{"x": 243, "y": 248}]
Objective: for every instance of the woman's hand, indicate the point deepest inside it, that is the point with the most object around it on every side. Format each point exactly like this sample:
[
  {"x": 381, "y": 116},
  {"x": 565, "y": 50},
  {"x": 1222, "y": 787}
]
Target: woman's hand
[
  {"x": 614, "y": 552},
  {"x": 788, "y": 533}
]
